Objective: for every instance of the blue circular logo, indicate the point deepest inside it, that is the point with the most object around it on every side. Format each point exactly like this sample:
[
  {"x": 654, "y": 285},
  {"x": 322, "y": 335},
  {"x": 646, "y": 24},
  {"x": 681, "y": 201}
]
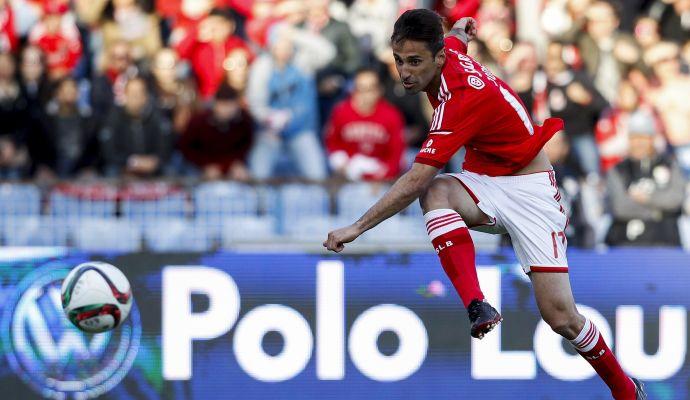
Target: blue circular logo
[{"x": 51, "y": 355}]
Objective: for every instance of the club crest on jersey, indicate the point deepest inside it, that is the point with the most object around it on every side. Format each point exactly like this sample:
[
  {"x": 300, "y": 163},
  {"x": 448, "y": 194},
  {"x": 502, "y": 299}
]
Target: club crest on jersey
[{"x": 475, "y": 82}]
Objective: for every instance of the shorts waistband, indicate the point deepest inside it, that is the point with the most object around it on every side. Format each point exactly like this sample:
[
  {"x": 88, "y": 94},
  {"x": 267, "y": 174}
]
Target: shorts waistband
[{"x": 538, "y": 176}]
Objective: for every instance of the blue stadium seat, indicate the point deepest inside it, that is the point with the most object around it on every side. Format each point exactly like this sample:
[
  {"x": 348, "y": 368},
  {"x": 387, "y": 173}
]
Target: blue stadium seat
[
  {"x": 106, "y": 234},
  {"x": 146, "y": 212},
  {"x": 354, "y": 199},
  {"x": 35, "y": 231},
  {"x": 684, "y": 228},
  {"x": 298, "y": 200},
  {"x": 176, "y": 234},
  {"x": 241, "y": 229},
  {"x": 19, "y": 200},
  {"x": 215, "y": 202},
  {"x": 71, "y": 207},
  {"x": 314, "y": 229}
]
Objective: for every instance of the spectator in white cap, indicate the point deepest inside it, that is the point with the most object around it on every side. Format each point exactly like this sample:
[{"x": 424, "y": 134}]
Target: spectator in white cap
[{"x": 646, "y": 190}]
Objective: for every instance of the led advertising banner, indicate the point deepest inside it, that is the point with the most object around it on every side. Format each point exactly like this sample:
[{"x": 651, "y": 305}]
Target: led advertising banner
[{"x": 297, "y": 326}]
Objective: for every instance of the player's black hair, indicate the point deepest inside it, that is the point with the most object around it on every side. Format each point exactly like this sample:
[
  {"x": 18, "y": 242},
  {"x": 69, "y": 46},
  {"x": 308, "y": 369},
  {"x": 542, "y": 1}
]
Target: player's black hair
[{"x": 420, "y": 25}]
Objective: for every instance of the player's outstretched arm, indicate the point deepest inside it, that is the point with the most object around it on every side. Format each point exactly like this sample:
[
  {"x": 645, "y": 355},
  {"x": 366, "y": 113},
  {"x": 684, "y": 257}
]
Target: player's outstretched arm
[
  {"x": 408, "y": 188},
  {"x": 464, "y": 29}
]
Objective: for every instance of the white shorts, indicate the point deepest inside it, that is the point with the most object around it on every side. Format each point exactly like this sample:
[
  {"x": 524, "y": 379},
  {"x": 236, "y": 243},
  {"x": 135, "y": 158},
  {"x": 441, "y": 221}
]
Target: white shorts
[{"x": 527, "y": 208}]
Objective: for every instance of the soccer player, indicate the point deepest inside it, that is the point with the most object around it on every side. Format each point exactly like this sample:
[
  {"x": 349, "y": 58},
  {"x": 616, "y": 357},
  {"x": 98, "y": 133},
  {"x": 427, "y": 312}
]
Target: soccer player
[{"x": 507, "y": 185}]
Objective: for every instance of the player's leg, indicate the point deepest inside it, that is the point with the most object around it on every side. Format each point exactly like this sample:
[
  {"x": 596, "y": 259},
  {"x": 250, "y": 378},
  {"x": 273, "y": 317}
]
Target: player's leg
[
  {"x": 448, "y": 211},
  {"x": 557, "y": 306}
]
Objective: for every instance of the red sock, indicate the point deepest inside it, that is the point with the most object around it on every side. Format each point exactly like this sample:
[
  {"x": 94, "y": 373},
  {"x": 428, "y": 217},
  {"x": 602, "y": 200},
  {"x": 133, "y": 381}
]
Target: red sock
[
  {"x": 592, "y": 347},
  {"x": 451, "y": 239}
]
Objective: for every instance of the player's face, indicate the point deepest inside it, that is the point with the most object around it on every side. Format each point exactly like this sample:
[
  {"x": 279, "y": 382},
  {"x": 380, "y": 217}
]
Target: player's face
[{"x": 416, "y": 65}]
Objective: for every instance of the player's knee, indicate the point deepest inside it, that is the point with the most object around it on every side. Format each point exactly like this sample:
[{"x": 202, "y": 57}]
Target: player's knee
[
  {"x": 566, "y": 323},
  {"x": 436, "y": 196}
]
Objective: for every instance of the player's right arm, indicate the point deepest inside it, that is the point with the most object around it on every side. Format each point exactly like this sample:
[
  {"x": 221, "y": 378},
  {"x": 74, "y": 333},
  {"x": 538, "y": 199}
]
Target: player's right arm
[{"x": 405, "y": 190}]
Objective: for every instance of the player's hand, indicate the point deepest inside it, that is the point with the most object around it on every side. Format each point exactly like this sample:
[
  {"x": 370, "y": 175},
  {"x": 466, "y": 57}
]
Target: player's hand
[
  {"x": 465, "y": 29},
  {"x": 337, "y": 239}
]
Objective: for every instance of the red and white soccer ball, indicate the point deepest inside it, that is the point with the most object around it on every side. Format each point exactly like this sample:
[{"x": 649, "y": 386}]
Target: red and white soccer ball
[{"x": 96, "y": 297}]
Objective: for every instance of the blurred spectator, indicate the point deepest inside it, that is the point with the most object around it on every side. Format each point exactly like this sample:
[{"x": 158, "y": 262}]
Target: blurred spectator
[
  {"x": 58, "y": 37},
  {"x": 685, "y": 55},
  {"x": 107, "y": 88},
  {"x": 647, "y": 32},
  {"x": 135, "y": 138},
  {"x": 33, "y": 78},
  {"x": 670, "y": 98},
  {"x": 126, "y": 20},
  {"x": 207, "y": 46},
  {"x": 675, "y": 20},
  {"x": 372, "y": 22},
  {"x": 173, "y": 94},
  {"x": 646, "y": 191},
  {"x": 8, "y": 35},
  {"x": 568, "y": 178},
  {"x": 218, "y": 141},
  {"x": 13, "y": 114},
  {"x": 282, "y": 98},
  {"x": 522, "y": 69},
  {"x": 612, "y": 130},
  {"x": 453, "y": 10},
  {"x": 236, "y": 66},
  {"x": 365, "y": 134},
  {"x": 70, "y": 132},
  {"x": 331, "y": 80},
  {"x": 572, "y": 97},
  {"x": 606, "y": 51}
]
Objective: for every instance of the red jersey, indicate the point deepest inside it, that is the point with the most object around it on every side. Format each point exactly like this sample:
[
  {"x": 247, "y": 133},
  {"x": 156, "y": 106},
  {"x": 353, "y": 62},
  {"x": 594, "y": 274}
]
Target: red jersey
[
  {"x": 477, "y": 110},
  {"x": 378, "y": 136}
]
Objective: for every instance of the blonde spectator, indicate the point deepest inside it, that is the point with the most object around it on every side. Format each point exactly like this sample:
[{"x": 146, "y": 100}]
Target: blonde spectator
[
  {"x": 126, "y": 20},
  {"x": 670, "y": 97}
]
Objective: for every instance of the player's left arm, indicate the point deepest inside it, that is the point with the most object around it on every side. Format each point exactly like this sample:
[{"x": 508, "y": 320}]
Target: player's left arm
[{"x": 405, "y": 190}]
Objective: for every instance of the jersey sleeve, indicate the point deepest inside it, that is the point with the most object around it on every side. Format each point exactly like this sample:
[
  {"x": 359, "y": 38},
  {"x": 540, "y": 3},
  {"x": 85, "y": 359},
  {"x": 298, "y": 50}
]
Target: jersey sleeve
[
  {"x": 452, "y": 127},
  {"x": 452, "y": 42}
]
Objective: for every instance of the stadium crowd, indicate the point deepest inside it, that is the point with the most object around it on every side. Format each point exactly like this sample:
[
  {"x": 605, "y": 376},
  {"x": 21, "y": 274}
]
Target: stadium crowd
[{"x": 257, "y": 90}]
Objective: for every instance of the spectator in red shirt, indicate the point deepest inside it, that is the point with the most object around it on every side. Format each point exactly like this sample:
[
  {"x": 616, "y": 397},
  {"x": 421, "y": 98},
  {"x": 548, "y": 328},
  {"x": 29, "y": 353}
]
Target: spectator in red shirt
[
  {"x": 8, "y": 36},
  {"x": 218, "y": 140},
  {"x": 207, "y": 46},
  {"x": 365, "y": 134},
  {"x": 59, "y": 40}
]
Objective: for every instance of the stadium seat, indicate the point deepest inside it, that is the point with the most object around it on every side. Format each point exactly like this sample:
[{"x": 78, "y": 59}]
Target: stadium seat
[
  {"x": 684, "y": 228},
  {"x": 216, "y": 201},
  {"x": 19, "y": 200},
  {"x": 65, "y": 205},
  {"x": 34, "y": 231},
  {"x": 354, "y": 199},
  {"x": 107, "y": 234},
  {"x": 240, "y": 229},
  {"x": 313, "y": 229},
  {"x": 149, "y": 211},
  {"x": 176, "y": 234},
  {"x": 299, "y": 205}
]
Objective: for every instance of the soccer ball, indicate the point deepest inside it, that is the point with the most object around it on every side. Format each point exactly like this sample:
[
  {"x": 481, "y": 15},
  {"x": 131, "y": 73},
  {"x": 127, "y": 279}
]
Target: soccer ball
[{"x": 96, "y": 297}]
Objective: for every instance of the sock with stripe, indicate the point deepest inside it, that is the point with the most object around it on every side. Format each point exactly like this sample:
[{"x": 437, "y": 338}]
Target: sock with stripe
[
  {"x": 451, "y": 239},
  {"x": 592, "y": 347}
]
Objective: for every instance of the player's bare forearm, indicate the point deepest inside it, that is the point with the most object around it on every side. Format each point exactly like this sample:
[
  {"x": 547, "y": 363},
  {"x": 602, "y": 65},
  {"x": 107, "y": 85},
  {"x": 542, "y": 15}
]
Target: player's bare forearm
[{"x": 407, "y": 189}]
